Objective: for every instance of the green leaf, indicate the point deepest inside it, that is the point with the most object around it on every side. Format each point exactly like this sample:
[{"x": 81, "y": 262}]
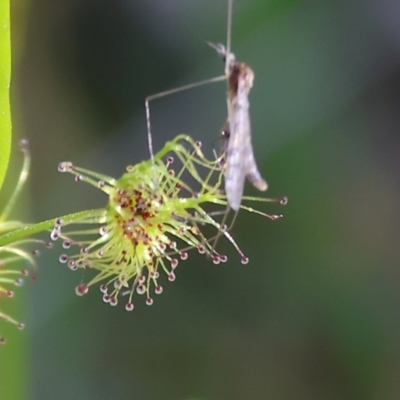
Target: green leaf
[{"x": 5, "y": 75}]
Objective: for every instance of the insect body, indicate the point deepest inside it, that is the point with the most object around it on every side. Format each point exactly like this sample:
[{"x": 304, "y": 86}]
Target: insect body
[{"x": 240, "y": 161}]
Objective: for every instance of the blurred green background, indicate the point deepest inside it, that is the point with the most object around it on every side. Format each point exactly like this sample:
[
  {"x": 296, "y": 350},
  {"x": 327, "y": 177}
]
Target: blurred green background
[{"x": 316, "y": 312}]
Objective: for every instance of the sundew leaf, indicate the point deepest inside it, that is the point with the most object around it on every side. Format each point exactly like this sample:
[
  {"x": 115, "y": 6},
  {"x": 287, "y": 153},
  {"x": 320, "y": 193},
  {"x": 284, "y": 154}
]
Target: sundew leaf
[{"x": 5, "y": 76}]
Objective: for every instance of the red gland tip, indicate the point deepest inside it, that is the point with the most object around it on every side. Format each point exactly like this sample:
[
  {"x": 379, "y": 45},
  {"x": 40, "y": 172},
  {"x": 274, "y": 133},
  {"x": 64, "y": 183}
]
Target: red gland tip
[
  {"x": 82, "y": 289},
  {"x": 65, "y": 166},
  {"x": 171, "y": 276},
  {"x": 244, "y": 260},
  {"x": 149, "y": 301},
  {"x": 113, "y": 301},
  {"x": 141, "y": 289},
  {"x": 158, "y": 289},
  {"x": 283, "y": 201}
]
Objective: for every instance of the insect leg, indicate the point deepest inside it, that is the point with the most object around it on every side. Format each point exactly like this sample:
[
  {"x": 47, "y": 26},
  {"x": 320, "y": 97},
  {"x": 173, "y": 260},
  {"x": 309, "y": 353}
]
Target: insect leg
[{"x": 167, "y": 93}]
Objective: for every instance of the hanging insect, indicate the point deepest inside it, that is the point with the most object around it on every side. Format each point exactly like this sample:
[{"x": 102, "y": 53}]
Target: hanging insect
[{"x": 239, "y": 157}]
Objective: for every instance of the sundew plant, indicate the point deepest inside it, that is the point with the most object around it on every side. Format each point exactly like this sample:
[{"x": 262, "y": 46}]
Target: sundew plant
[{"x": 153, "y": 217}]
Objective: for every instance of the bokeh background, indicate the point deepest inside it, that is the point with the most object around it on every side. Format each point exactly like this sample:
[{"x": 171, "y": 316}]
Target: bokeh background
[{"x": 316, "y": 312}]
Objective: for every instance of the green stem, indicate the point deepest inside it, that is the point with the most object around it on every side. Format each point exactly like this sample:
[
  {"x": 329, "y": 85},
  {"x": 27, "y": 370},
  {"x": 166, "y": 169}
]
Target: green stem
[
  {"x": 5, "y": 75},
  {"x": 29, "y": 230}
]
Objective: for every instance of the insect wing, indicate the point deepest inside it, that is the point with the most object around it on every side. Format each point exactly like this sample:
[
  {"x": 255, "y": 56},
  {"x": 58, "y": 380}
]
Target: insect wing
[
  {"x": 240, "y": 157},
  {"x": 245, "y": 82},
  {"x": 239, "y": 146},
  {"x": 235, "y": 173}
]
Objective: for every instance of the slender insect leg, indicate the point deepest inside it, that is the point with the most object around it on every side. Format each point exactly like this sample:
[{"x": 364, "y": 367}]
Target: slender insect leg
[
  {"x": 224, "y": 134},
  {"x": 167, "y": 93},
  {"x": 228, "y": 37}
]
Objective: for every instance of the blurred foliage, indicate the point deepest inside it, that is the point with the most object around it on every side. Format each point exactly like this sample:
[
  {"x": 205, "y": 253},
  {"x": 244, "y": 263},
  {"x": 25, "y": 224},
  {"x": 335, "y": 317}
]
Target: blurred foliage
[{"x": 314, "y": 315}]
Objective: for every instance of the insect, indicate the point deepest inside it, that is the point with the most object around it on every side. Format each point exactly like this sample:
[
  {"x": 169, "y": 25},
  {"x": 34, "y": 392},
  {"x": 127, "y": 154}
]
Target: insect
[{"x": 240, "y": 162}]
